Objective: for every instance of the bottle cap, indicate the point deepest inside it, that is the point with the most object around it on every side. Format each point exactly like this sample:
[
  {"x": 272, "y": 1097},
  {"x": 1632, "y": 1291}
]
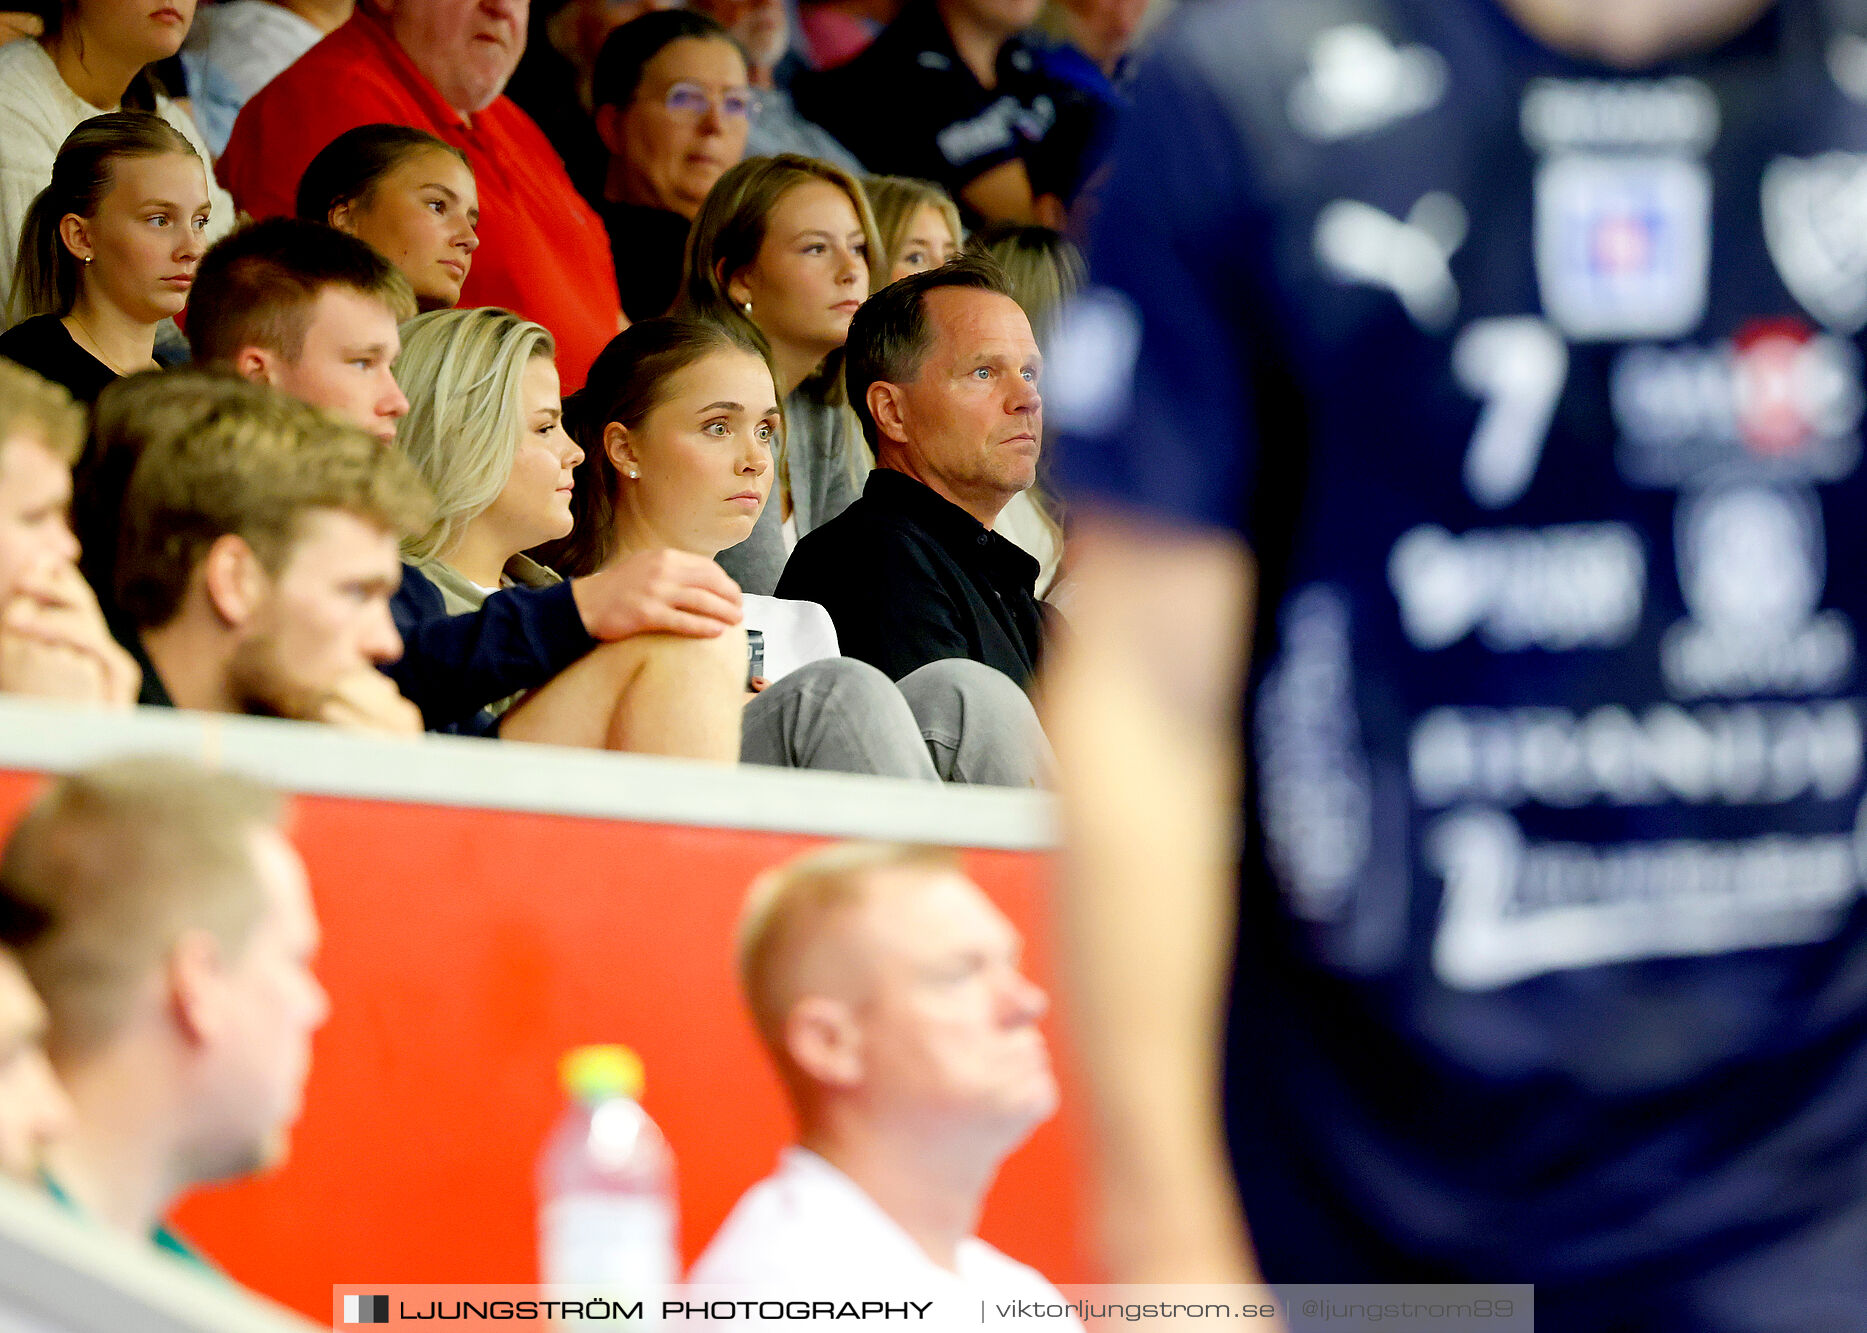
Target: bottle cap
[{"x": 591, "y": 1073}]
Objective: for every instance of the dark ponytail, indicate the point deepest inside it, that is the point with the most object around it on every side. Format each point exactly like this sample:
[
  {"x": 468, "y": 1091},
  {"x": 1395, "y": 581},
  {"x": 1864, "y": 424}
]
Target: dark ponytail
[
  {"x": 348, "y": 167},
  {"x": 45, "y": 282}
]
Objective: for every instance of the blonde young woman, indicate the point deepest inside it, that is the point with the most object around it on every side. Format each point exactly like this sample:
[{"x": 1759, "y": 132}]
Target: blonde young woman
[
  {"x": 781, "y": 252},
  {"x": 93, "y": 57},
  {"x": 485, "y": 429},
  {"x": 108, "y": 251},
  {"x": 917, "y": 221}
]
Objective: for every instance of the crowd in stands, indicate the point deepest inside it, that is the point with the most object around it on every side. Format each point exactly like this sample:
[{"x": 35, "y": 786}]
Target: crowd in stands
[
  {"x": 587, "y": 560},
  {"x": 560, "y": 375}
]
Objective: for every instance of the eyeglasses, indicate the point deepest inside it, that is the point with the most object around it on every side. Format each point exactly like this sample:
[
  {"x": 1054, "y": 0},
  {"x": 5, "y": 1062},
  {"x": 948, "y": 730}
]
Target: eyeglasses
[{"x": 691, "y": 99}]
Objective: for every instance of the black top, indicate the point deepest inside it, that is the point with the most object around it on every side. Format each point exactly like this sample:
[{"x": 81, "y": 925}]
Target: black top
[
  {"x": 153, "y": 694},
  {"x": 648, "y": 246},
  {"x": 43, "y": 344},
  {"x": 911, "y": 578},
  {"x": 942, "y": 123}
]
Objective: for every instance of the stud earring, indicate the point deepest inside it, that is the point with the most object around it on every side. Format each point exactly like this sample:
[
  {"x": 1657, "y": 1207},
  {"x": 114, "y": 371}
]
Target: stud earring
[
  {"x": 747, "y": 307},
  {"x": 634, "y": 475},
  {"x": 87, "y": 261}
]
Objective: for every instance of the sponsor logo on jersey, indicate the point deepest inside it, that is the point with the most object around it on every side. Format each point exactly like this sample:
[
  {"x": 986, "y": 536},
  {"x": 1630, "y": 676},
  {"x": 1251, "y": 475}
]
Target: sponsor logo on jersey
[
  {"x": 1358, "y": 244},
  {"x": 998, "y": 127},
  {"x": 1570, "y": 115},
  {"x": 1623, "y": 244},
  {"x": 1089, "y": 373},
  {"x": 1777, "y": 401},
  {"x": 1847, "y": 64},
  {"x": 1752, "y": 568},
  {"x": 1516, "y": 908},
  {"x": 1815, "y": 223},
  {"x": 1359, "y": 82},
  {"x": 1312, "y": 771},
  {"x": 1742, "y": 754},
  {"x": 1578, "y": 585}
]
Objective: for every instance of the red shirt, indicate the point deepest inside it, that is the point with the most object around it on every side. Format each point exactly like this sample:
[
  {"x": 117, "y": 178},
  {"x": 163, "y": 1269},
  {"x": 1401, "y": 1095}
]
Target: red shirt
[{"x": 543, "y": 251}]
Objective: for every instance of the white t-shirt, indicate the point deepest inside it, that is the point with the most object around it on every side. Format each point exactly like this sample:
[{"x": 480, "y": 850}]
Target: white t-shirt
[
  {"x": 810, "y": 1232},
  {"x": 796, "y": 633}
]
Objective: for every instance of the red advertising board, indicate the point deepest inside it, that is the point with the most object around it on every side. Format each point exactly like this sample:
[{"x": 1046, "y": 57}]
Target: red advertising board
[{"x": 467, "y": 946}]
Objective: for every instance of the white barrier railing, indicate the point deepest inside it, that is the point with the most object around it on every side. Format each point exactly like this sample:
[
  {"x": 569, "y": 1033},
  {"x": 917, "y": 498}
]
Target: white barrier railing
[
  {"x": 59, "y": 1274},
  {"x": 458, "y": 771}
]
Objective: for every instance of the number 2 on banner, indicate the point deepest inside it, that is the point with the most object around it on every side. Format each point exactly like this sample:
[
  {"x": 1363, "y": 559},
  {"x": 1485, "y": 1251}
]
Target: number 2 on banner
[{"x": 1517, "y": 366}]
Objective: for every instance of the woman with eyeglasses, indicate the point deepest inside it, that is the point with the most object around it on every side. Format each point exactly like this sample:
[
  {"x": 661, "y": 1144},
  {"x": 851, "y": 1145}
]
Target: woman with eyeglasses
[{"x": 673, "y": 106}]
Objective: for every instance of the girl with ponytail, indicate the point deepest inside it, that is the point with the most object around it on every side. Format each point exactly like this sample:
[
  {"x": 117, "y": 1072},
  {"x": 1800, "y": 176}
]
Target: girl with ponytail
[
  {"x": 108, "y": 251},
  {"x": 94, "y": 56}
]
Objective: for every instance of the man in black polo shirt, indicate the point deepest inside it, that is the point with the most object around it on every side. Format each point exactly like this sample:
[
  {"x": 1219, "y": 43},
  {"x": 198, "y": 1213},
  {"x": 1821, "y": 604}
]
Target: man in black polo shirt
[
  {"x": 943, "y": 374},
  {"x": 968, "y": 101}
]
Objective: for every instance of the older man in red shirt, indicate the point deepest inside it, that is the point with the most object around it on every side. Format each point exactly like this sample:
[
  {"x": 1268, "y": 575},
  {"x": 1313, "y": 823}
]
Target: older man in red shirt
[{"x": 442, "y": 65}]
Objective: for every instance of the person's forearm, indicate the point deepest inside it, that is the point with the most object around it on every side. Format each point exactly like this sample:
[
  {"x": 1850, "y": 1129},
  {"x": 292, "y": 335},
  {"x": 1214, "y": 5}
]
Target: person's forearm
[{"x": 1147, "y": 756}]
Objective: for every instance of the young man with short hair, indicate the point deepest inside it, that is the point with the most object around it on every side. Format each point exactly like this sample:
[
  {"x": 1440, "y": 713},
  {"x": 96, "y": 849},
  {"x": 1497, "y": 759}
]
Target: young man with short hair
[
  {"x": 177, "y": 972},
  {"x": 259, "y": 550},
  {"x": 889, "y": 993},
  {"x": 308, "y": 310}
]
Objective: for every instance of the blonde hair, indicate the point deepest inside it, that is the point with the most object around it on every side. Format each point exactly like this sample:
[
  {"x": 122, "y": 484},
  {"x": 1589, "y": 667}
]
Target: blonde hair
[
  {"x": 896, "y": 199},
  {"x": 48, "y": 277},
  {"x": 788, "y": 906},
  {"x": 239, "y": 459},
  {"x": 462, "y": 371},
  {"x": 33, "y": 408},
  {"x": 1043, "y": 266},
  {"x": 729, "y": 231},
  {"x": 122, "y": 859}
]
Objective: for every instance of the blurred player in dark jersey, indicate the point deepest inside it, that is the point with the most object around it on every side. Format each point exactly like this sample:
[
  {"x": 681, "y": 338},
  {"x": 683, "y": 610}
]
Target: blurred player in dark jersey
[{"x": 1465, "y": 436}]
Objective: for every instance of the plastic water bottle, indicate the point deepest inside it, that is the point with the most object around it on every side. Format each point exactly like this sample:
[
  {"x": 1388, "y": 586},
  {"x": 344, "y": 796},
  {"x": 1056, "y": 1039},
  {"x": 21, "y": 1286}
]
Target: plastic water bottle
[{"x": 606, "y": 1184}]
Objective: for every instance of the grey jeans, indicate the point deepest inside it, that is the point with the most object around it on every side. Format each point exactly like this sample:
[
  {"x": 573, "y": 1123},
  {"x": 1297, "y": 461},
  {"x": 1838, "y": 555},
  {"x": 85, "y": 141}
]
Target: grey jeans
[{"x": 952, "y": 721}]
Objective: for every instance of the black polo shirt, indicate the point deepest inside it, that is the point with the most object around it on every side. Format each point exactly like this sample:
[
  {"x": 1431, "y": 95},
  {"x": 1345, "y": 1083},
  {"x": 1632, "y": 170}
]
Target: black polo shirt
[
  {"x": 942, "y": 124},
  {"x": 911, "y": 578}
]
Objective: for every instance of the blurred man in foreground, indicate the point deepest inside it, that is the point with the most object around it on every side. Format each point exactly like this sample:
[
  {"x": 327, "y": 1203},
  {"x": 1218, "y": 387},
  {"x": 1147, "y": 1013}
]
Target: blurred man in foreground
[
  {"x": 177, "y": 971},
  {"x": 887, "y": 989}
]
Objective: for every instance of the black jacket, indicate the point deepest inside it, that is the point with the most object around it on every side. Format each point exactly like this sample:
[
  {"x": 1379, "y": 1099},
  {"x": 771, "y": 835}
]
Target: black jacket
[
  {"x": 911, "y": 578},
  {"x": 453, "y": 666}
]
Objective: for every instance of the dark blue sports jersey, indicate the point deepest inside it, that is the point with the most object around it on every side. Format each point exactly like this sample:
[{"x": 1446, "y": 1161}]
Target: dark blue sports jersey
[{"x": 1537, "y": 389}]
